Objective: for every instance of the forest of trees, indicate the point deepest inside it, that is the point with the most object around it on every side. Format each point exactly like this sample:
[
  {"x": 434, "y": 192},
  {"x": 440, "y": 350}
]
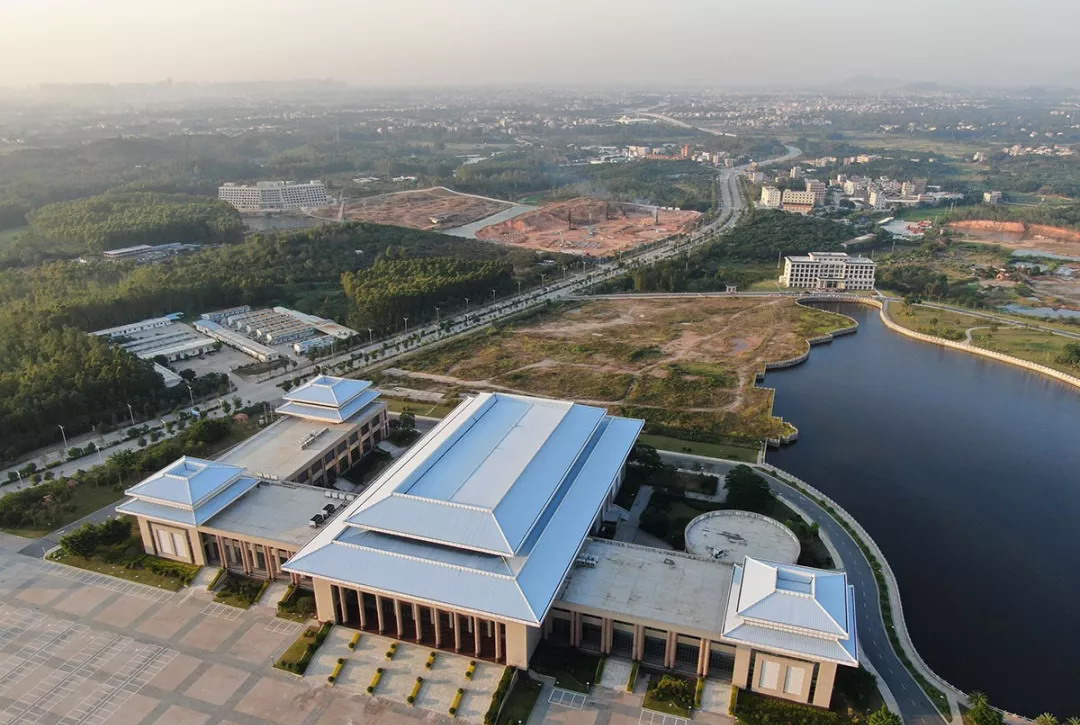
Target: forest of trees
[
  {"x": 397, "y": 288},
  {"x": 52, "y": 373},
  {"x": 1051, "y": 175},
  {"x": 116, "y": 220}
]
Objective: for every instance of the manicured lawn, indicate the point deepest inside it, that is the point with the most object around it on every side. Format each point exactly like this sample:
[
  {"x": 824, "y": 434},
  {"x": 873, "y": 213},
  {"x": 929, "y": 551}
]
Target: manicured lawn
[
  {"x": 296, "y": 658},
  {"x": 652, "y": 702},
  {"x": 239, "y": 591},
  {"x": 746, "y": 453},
  {"x": 520, "y": 701},
  {"x": 572, "y": 668},
  {"x": 87, "y": 500},
  {"x": 427, "y": 410},
  {"x": 298, "y": 605}
]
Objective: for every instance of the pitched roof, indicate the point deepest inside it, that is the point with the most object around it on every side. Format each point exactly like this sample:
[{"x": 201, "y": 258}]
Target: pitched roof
[
  {"x": 485, "y": 513},
  {"x": 796, "y": 609},
  {"x": 328, "y": 390},
  {"x": 186, "y": 481}
]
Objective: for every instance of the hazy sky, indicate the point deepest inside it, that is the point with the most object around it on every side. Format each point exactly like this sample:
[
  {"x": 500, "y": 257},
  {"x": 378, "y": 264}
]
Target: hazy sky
[{"x": 396, "y": 42}]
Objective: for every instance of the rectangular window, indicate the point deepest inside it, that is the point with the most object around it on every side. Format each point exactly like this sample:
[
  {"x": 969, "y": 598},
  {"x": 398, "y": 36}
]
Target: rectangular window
[
  {"x": 165, "y": 542},
  {"x": 793, "y": 680},
  {"x": 769, "y": 676}
]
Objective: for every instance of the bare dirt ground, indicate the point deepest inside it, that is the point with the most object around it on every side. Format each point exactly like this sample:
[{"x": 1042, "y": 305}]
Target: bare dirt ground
[
  {"x": 588, "y": 226},
  {"x": 1016, "y": 235},
  {"x": 421, "y": 208},
  {"x": 684, "y": 365}
]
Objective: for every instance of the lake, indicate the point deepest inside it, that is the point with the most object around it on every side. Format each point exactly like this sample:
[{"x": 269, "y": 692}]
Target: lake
[{"x": 966, "y": 472}]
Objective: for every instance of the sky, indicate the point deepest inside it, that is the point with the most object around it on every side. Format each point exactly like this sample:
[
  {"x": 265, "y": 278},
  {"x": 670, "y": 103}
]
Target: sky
[{"x": 718, "y": 43}]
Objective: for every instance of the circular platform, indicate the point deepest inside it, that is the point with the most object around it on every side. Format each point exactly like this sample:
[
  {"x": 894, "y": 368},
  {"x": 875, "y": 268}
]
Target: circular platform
[{"x": 734, "y": 535}]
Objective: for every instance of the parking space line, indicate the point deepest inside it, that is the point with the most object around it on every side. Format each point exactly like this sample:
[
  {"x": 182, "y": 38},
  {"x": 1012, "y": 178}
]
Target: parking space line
[
  {"x": 283, "y": 626},
  {"x": 566, "y": 698},
  {"x": 652, "y": 717},
  {"x": 143, "y": 591},
  {"x": 222, "y": 611}
]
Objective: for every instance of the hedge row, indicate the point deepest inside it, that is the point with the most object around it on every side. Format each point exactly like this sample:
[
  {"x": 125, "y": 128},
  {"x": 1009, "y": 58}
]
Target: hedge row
[
  {"x": 499, "y": 695},
  {"x": 754, "y": 709}
]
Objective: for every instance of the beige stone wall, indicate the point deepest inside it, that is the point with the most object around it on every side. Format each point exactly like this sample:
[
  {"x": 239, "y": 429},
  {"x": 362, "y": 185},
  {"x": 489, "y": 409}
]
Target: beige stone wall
[
  {"x": 799, "y": 672},
  {"x": 324, "y": 601},
  {"x": 521, "y": 641},
  {"x": 182, "y": 536}
]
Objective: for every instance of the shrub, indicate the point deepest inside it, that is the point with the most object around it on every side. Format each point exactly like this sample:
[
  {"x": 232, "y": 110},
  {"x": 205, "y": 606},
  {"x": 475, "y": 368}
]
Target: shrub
[
  {"x": 498, "y": 696},
  {"x": 632, "y": 679},
  {"x": 755, "y": 709},
  {"x": 675, "y": 690}
]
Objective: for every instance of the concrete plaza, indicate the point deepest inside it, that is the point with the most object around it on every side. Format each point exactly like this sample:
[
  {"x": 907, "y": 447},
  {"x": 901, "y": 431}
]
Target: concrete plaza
[{"x": 78, "y": 648}]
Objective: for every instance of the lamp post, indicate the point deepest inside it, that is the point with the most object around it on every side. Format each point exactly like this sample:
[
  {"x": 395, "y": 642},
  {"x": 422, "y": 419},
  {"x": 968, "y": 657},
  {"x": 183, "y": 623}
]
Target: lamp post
[
  {"x": 64, "y": 434},
  {"x": 519, "y": 286},
  {"x": 191, "y": 395},
  {"x": 371, "y": 336},
  {"x": 466, "y": 305},
  {"x": 492, "y": 296},
  {"x": 438, "y": 320},
  {"x": 406, "y": 325},
  {"x": 132, "y": 414}
]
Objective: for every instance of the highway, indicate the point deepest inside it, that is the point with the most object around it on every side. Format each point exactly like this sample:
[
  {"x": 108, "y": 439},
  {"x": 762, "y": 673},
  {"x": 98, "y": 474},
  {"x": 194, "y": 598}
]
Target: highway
[{"x": 915, "y": 707}]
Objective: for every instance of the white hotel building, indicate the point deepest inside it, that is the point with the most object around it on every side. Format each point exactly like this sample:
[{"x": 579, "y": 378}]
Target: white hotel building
[
  {"x": 274, "y": 195},
  {"x": 828, "y": 271},
  {"x": 479, "y": 539}
]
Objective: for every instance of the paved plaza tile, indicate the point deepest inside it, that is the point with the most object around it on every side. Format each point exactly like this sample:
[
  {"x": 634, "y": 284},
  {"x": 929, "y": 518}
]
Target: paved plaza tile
[
  {"x": 177, "y": 715},
  {"x": 280, "y": 702},
  {"x": 218, "y": 684}
]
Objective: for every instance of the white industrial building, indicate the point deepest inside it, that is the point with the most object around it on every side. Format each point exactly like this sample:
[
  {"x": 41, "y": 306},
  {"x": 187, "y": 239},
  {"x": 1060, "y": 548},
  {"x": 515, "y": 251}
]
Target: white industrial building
[
  {"x": 274, "y": 195},
  {"x": 237, "y": 341},
  {"x": 828, "y": 271}
]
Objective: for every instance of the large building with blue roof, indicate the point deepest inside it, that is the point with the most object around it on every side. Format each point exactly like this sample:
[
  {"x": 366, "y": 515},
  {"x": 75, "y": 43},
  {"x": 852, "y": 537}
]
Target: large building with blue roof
[{"x": 480, "y": 539}]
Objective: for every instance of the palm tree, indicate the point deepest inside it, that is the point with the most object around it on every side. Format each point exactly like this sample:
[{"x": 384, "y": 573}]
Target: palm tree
[
  {"x": 1046, "y": 719},
  {"x": 976, "y": 698},
  {"x": 1073, "y": 721}
]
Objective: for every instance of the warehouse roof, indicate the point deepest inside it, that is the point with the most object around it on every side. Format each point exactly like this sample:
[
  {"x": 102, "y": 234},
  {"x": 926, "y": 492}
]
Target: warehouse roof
[{"x": 486, "y": 512}]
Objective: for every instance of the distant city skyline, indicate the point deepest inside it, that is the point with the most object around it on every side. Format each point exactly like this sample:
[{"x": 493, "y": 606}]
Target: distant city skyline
[{"x": 477, "y": 42}]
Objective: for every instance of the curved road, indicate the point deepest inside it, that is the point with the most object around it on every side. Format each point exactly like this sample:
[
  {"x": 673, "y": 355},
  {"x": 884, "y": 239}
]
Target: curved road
[{"x": 915, "y": 706}]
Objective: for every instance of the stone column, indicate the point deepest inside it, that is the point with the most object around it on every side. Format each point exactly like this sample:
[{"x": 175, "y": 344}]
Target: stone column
[
  {"x": 397, "y": 618},
  {"x": 360, "y": 606},
  {"x": 417, "y": 622},
  {"x": 436, "y": 618},
  {"x": 669, "y": 649},
  {"x": 270, "y": 569},
  {"x": 221, "y": 551},
  {"x": 741, "y": 674},
  {"x": 498, "y": 641},
  {"x": 457, "y": 631},
  {"x": 703, "y": 657},
  {"x": 476, "y": 636},
  {"x": 575, "y": 629},
  {"x": 378, "y": 610},
  {"x": 607, "y": 635},
  {"x": 826, "y": 676},
  {"x": 639, "y": 642},
  {"x": 343, "y": 606}
]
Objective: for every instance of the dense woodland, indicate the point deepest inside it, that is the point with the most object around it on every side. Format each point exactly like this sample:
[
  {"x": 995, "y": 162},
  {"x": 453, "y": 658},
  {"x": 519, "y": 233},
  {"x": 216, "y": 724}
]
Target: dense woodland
[
  {"x": 115, "y": 220},
  {"x": 393, "y": 289},
  {"x": 53, "y": 373}
]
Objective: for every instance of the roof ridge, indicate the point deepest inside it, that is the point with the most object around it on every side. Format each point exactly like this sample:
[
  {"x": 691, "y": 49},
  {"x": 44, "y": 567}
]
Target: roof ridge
[{"x": 410, "y": 557}]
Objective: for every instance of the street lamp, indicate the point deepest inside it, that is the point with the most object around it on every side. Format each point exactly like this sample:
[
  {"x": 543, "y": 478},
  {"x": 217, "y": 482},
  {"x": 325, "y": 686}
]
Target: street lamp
[
  {"x": 519, "y": 286},
  {"x": 437, "y": 318},
  {"x": 191, "y": 395},
  {"x": 132, "y": 414},
  {"x": 492, "y": 296},
  {"x": 99, "y": 456},
  {"x": 371, "y": 336},
  {"x": 63, "y": 433},
  {"x": 466, "y": 305}
]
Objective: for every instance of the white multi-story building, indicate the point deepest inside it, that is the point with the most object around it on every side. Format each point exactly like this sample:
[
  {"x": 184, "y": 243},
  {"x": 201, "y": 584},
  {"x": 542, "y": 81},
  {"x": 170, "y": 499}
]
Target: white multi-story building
[
  {"x": 991, "y": 197},
  {"x": 771, "y": 197},
  {"x": 829, "y": 271},
  {"x": 274, "y": 195}
]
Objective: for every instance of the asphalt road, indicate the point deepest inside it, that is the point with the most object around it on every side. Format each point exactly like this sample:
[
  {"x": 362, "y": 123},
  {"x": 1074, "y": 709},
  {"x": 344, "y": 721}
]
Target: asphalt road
[{"x": 915, "y": 706}]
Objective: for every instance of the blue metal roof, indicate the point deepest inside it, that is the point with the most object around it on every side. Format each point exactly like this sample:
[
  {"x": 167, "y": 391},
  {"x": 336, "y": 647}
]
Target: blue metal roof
[
  {"x": 486, "y": 513},
  {"x": 186, "y": 481}
]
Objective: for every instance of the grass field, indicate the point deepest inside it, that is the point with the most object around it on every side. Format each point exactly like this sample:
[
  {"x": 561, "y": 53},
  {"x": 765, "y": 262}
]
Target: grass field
[
  {"x": 1033, "y": 345},
  {"x": 746, "y": 453},
  {"x": 687, "y": 366},
  {"x": 87, "y": 500}
]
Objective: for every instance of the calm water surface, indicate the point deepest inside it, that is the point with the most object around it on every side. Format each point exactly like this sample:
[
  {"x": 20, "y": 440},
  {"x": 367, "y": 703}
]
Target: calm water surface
[{"x": 967, "y": 474}]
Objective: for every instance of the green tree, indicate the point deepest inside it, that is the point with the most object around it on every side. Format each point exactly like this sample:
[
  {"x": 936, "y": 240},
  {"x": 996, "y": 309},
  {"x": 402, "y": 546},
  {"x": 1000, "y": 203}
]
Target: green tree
[
  {"x": 747, "y": 490},
  {"x": 884, "y": 716}
]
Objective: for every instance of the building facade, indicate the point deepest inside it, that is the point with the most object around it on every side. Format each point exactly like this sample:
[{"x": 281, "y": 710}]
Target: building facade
[
  {"x": 479, "y": 539},
  {"x": 267, "y": 196},
  {"x": 829, "y": 271},
  {"x": 771, "y": 197}
]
